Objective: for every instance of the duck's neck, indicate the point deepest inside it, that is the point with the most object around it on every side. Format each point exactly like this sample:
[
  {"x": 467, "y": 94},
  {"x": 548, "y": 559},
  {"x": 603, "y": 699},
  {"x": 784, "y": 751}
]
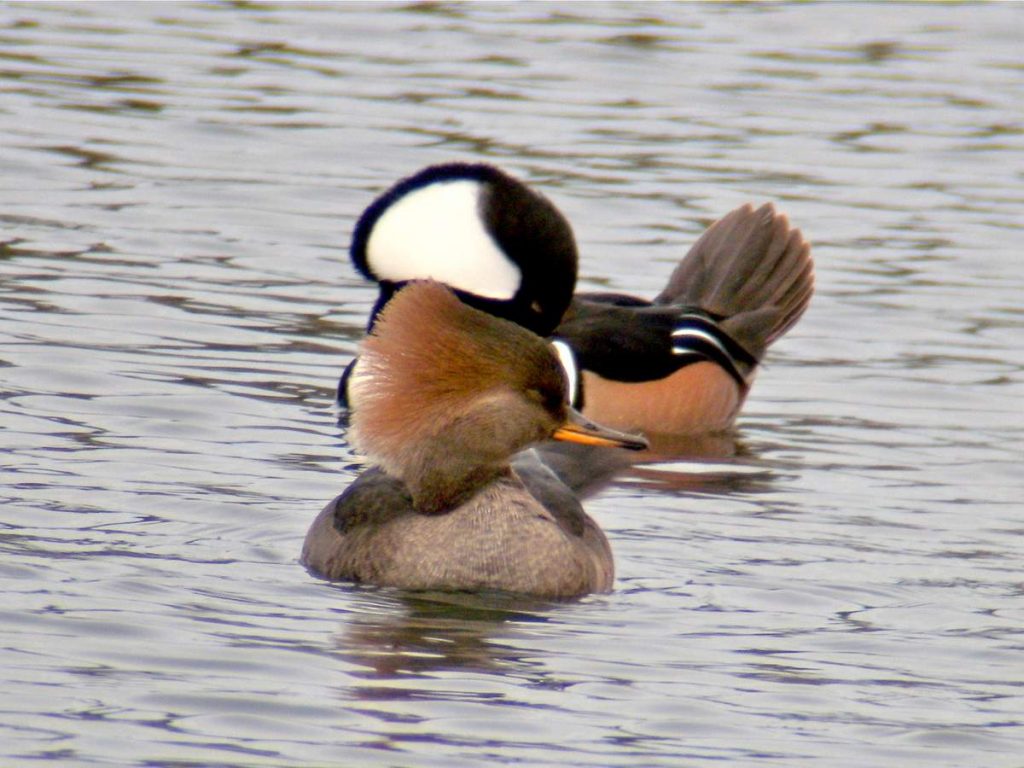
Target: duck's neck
[
  {"x": 440, "y": 480},
  {"x": 437, "y": 493}
]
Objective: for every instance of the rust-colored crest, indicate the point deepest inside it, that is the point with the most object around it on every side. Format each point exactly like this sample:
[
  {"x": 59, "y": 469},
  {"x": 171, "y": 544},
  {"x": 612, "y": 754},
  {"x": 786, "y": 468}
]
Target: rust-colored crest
[{"x": 428, "y": 356}]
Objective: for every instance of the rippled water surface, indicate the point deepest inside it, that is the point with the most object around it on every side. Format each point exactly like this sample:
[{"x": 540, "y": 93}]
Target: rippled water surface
[{"x": 178, "y": 184}]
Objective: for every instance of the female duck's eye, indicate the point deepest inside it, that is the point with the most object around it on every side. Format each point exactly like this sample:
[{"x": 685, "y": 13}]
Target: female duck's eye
[{"x": 548, "y": 399}]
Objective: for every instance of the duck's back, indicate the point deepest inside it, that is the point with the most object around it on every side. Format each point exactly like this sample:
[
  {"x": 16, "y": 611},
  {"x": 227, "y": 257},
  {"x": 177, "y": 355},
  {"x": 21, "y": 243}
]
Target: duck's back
[{"x": 501, "y": 538}]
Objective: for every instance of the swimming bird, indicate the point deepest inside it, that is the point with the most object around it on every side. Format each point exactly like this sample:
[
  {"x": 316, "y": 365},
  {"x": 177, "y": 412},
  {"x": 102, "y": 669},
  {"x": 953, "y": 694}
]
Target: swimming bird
[
  {"x": 443, "y": 396},
  {"x": 680, "y": 364}
]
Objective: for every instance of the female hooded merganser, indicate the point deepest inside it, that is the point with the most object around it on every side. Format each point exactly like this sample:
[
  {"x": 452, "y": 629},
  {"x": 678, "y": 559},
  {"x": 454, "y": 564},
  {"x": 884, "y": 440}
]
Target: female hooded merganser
[
  {"x": 681, "y": 364},
  {"x": 443, "y": 395}
]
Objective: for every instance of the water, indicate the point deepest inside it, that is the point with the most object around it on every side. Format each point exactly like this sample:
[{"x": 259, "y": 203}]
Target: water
[{"x": 177, "y": 187}]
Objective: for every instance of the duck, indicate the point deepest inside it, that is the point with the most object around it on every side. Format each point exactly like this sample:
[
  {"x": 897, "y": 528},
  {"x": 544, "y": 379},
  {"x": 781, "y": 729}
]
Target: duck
[
  {"x": 681, "y": 363},
  {"x": 446, "y": 401}
]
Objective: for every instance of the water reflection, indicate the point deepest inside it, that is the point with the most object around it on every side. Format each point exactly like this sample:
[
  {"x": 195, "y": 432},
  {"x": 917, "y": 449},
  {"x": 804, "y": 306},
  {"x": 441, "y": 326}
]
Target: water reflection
[
  {"x": 430, "y": 632},
  {"x": 175, "y": 304},
  {"x": 682, "y": 478},
  {"x": 672, "y": 462}
]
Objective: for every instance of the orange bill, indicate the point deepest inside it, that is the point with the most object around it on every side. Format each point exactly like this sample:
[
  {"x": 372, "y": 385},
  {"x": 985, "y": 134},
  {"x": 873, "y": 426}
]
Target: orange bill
[{"x": 578, "y": 430}]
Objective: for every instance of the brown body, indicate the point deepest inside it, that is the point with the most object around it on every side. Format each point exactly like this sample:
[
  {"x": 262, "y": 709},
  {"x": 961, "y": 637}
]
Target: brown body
[
  {"x": 502, "y": 538},
  {"x": 698, "y": 398}
]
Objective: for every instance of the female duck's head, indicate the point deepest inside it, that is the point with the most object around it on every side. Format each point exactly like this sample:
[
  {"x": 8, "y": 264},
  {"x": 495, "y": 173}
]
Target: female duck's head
[{"x": 444, "y": 394}]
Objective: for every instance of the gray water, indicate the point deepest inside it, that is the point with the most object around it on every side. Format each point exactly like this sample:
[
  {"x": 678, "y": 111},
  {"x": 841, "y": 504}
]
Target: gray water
[{"x": 178, "y": 184}]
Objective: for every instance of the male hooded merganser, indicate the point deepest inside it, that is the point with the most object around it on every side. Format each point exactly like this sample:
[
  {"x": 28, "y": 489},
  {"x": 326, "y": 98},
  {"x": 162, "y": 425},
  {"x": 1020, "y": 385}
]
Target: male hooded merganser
[
  {"x": 442, "y": 398},
  {"x": 681, "y": 364}
]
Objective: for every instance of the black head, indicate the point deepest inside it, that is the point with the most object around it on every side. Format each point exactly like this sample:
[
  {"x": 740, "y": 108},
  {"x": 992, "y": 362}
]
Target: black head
[{"x": 502, "y": 247}]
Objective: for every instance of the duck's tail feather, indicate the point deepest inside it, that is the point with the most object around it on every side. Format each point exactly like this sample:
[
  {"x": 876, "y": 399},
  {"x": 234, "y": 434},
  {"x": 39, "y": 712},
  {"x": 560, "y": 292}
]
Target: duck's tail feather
[{"x": 751, "y": 271}]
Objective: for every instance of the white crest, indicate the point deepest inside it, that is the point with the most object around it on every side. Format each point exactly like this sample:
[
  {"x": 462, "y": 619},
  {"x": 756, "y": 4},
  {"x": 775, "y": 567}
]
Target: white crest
[
  {"x": 436, "y": 233},
  {"x": 568, "y": 360}
]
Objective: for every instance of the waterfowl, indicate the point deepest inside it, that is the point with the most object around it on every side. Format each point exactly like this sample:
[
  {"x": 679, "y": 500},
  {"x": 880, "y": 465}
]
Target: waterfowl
[
  {"x": 443, "y": 396},
  {"x": 680, "y": 364}
]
